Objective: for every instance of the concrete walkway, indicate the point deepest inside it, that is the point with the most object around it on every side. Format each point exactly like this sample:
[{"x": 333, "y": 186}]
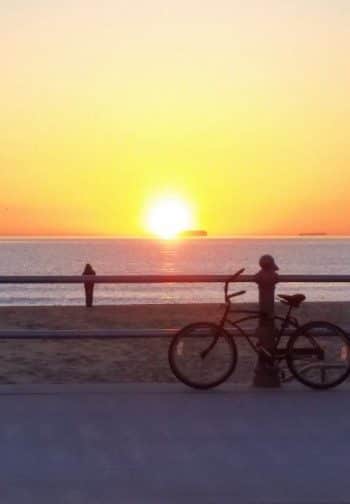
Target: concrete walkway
[{"x": 167, "y": 444}]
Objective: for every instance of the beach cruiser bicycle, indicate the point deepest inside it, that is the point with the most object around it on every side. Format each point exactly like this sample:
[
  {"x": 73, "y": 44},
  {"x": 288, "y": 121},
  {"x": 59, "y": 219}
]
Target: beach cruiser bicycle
[{"x": 204, "y": 354}]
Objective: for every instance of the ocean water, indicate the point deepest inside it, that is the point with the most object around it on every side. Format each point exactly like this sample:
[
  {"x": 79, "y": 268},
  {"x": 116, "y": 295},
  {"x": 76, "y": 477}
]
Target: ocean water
[{"x": 140, "y": 256}]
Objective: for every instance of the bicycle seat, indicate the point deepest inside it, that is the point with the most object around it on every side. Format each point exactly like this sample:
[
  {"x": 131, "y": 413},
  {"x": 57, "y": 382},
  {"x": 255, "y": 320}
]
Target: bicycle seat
[{"x": 294, "y": 300}]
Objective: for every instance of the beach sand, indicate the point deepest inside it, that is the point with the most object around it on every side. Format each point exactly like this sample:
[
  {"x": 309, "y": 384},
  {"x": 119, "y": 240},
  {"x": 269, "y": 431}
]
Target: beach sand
[{"x": 123, "y": 360}]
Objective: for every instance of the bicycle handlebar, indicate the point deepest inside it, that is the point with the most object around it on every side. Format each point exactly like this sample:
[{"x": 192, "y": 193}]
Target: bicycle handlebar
[
  {"x": 233, "y": 279},
  {"x": 235, "y": 294}
]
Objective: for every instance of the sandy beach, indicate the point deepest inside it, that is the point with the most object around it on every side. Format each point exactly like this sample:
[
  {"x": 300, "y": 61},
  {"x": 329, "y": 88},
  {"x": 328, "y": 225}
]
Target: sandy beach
[{"x": 123, "y": 360}]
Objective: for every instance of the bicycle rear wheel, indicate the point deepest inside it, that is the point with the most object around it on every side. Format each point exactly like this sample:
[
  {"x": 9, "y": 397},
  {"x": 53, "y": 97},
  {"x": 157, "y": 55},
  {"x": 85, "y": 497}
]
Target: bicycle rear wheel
[
  {"x": 202, "y": 355},
  {"x": 318, "y": 355}
]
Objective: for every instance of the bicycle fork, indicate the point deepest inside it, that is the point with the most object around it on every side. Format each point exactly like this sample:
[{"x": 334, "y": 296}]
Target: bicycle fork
[{"x": 205, "y": 352}]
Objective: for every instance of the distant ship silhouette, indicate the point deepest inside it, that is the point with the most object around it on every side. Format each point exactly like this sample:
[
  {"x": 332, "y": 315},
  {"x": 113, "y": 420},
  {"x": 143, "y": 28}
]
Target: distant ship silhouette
[
  {"x": 193, "y": 232},
  {"x": 312, "y": 234}
]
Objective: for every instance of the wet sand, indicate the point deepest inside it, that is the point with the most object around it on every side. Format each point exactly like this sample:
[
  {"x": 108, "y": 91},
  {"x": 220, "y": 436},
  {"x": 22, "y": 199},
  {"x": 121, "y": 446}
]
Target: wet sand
[{"x": 124, "y": 360}]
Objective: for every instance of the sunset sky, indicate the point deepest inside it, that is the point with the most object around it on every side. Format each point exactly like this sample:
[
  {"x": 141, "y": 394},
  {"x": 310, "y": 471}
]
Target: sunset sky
[{"x": 239, "y": 109}]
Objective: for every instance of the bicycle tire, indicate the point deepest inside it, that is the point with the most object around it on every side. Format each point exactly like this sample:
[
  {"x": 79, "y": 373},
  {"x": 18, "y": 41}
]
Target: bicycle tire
[
  {"x": 198, "y": 346},
  {"x": 324, "y": 340}
]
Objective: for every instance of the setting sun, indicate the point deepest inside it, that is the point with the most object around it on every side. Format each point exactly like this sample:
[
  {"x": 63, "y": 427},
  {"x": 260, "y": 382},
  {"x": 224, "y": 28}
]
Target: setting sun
[
  {"x": 105, "y": 111},
  {"x": 168, "y": 217}
]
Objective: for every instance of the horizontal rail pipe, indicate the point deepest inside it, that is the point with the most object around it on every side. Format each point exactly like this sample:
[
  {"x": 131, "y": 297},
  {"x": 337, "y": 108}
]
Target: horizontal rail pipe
[
  {"x": 78, "y": 334},
  {"x": 179, "y": 278},
  {"x": 85, "y": 334},
  {"x": 120, "y": 279},
  {"x": 65, "y": 334}
]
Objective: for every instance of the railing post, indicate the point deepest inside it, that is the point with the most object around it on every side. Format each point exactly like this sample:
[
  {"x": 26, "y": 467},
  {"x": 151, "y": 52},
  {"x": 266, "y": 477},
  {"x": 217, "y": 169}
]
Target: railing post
[
  {"x": 89, "y": 286},
  {"x": 266, "y": 373}
]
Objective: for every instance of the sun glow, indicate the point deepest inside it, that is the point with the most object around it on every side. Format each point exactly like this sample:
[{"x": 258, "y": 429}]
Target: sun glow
[{"x": 168, "y": 217}]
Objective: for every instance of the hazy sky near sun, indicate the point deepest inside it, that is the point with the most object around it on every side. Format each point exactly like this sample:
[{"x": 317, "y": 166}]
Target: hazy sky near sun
[{"x": 240, "y": 108}]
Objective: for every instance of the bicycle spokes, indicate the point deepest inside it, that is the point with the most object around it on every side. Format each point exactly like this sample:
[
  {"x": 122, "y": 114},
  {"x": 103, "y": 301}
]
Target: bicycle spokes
[
  {"x": 209, "y": 338},
  {"x": 320, "y": 355},
  {"x": 202, "y": 355}
]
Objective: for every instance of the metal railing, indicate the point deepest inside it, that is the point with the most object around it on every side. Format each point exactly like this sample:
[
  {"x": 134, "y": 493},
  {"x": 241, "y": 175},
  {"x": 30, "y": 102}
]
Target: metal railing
[
  {"x": 265, "y": 280},
  {"x": 178, "y": 278},
  {"x": 134, "y": 279},
  {"x": 90, "y": 280}
]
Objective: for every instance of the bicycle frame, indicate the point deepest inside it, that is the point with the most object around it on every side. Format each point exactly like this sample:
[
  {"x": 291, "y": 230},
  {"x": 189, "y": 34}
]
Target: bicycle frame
[{"x": 286, "y": 321}]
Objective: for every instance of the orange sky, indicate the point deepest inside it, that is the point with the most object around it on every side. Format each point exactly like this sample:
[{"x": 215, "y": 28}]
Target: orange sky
[{"x": 240, "y": 110}]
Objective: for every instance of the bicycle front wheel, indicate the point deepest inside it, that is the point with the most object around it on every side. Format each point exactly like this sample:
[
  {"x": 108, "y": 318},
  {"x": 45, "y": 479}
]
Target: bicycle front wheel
[
  {"x": 318, "y": 355},
  {"x": 202, "y": 355}
]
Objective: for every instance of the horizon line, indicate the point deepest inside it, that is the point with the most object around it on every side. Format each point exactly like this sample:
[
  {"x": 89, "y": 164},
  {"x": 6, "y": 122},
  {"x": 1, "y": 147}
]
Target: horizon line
[{"x": 150, "y": 237}]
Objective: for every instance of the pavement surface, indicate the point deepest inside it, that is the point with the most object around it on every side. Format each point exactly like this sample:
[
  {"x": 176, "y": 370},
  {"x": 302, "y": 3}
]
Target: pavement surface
[{"x": 137, "y": 443}]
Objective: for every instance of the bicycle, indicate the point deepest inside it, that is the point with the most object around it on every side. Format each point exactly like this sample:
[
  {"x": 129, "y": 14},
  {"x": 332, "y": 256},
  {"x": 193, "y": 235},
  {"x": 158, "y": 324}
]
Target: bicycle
[{"x": 203, "y": 354}]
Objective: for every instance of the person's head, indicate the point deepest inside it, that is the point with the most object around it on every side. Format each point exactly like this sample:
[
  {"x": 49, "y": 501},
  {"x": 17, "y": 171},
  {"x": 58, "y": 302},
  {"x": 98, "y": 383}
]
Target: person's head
[
  {"x": 267, "y": 263},
  {"x": 88, "y": 269}
]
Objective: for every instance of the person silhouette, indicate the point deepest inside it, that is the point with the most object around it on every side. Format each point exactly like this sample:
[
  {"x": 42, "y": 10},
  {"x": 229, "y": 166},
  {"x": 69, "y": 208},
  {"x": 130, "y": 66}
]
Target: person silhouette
[{"x": 89, "y": 286}]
